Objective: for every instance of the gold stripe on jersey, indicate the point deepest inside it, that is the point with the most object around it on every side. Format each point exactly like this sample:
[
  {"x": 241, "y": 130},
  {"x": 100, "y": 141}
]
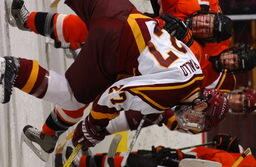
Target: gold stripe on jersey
[
  {"x": 191, "y": 93},
  {"x": 136, "y": 30},
  {"x": 32, "y": 77},
  {"x": 222, "y": 79},
  {"x": 234, "y": 80},
  {"x": 99, "y": 115},
  {"x": 138, "y": 91}
]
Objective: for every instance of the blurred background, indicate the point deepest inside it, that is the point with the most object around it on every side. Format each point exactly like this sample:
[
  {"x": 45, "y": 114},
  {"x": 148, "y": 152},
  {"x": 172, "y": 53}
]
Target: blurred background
[{"x": 243, "y": 14}]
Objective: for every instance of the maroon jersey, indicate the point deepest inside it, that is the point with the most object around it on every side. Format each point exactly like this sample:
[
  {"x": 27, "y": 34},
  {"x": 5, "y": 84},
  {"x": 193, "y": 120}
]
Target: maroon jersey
[{"x": 111, "y": 44}]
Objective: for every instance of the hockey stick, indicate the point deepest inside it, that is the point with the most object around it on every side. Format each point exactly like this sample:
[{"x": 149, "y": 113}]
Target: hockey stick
[
  {"x": 113, "y": 145},
  {"x": 205, "y": 144},
  {"x": 54, "y": 5},
  {"x": 112, "y": 149},
  {"x": 124, "y": 161},
  {"x": 241, "y": 158},
  {"x": 73, "y": 155}
]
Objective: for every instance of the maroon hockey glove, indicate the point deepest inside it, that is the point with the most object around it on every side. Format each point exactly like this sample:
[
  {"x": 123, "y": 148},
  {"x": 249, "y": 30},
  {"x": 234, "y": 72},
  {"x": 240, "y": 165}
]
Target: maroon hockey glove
[{"x": 87, "y": 134}]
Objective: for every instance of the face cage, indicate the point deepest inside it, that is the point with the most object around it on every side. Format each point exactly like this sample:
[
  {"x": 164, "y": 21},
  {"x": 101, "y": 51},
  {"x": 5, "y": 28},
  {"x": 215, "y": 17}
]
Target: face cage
[
  {"x": 184, "y": 122},
  {"x": 214, "y": 38},
  {"x": 240, "y": 62}
]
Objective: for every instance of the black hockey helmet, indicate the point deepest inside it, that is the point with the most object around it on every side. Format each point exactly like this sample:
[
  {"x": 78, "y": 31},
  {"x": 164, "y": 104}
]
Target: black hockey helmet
[{"x": 221, "y": 30}]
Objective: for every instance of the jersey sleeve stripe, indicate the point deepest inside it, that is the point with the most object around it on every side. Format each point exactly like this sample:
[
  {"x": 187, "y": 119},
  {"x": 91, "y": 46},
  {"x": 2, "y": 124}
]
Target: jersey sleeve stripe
[
  {"x": 223, "y": 76},
  {"x": 136, "y": 30},
  {"x": 98, "y": 115}
]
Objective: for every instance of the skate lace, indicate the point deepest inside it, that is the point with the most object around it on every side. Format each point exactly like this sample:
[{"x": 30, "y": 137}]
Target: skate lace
[{"x": 24, "y": 13}]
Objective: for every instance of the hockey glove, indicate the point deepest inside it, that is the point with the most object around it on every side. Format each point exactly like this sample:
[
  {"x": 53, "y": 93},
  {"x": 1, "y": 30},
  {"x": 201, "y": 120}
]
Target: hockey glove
[
  {"x": 87, "y": 134},
  {"x": 227, "y": 143},
  {"x": 178, "y": 29}
]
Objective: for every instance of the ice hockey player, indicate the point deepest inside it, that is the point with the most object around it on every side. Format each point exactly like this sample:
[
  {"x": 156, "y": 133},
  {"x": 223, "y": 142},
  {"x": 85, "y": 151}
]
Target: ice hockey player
[
  {"x": 36, "y": 28},
  {"x": 157, "y": 61},
  {"x": 122, "y": 39}
]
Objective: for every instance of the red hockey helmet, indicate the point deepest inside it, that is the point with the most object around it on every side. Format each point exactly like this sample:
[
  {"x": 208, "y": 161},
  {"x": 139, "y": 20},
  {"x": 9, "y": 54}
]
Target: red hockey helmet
[
  {"x": 204, "y": 112},
  {"x": 217, "y": 109}
]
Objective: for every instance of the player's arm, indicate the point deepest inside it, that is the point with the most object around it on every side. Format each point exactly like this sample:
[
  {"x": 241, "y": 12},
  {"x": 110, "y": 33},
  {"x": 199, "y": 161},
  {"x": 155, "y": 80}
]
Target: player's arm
[{"x": 106, "y": 107}]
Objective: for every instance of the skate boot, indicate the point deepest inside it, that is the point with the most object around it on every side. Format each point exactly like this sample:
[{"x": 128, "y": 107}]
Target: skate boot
[
  {"x": 20, "y": 14},
  {"x": 9, "y": 67},
  {"x": 46, "y": 142}
]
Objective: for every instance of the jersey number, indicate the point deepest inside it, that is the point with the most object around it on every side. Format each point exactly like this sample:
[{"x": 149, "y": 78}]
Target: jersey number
[{"x": 166, "y": 62}]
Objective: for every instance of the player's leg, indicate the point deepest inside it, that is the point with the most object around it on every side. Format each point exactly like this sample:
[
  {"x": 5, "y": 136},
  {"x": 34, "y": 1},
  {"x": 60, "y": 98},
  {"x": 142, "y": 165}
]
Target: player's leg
[
  {"x": 60, "y": 27},
  {"x": 58, "y": 121},
  {"x": 91, "y": 10},
  {"x": 28, "y": 76}
]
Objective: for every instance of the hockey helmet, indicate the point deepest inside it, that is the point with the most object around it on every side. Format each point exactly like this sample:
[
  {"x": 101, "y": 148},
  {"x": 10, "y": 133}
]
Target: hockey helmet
[
  {"x": 209, "y": 27},
  {"x": 204, "y": 112}
]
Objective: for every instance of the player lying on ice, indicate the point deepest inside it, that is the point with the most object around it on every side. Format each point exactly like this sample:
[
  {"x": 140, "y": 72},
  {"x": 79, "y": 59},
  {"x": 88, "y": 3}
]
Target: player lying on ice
[
  {"x": 223, "y": 149},
  {"x": 54, "y": 126}
]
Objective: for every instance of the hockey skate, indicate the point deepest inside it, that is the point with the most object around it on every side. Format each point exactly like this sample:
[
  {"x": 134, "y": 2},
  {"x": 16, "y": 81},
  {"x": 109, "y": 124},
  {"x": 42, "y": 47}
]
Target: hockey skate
[
  {"x": 9, "y": 67},
  {"x": 46, "y": 142},
  {"x": 20, "y": 14}
]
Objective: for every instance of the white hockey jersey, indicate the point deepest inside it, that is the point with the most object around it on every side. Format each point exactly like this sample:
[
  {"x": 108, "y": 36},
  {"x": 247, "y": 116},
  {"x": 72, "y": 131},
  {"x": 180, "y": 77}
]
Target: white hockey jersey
[{"x": 169, "y": 71}]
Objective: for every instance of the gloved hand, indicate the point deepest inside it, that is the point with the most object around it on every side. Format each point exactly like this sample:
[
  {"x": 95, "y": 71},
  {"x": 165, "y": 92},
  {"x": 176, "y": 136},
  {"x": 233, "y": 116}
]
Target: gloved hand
[
  {"x": 227, "y": 143},
  {"x": 167, "y": 156},
  {"x": 177, "y": 28},
  {"x": 87, "y": 134}
]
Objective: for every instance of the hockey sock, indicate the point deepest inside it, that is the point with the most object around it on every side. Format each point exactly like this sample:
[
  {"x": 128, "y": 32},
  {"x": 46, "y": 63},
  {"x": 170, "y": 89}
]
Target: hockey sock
[
  {"x": 60, "y": 27},
  {"x": 32, "y": 78},
  {"x": 60, "y": 120}
]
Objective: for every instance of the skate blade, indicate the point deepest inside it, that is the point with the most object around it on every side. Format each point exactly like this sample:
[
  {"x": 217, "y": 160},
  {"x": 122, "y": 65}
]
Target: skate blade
[
  {"x": 8, "y": 15},
  {"x": 2, "y": 82},
  {"x": 39, "y": 152}
]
